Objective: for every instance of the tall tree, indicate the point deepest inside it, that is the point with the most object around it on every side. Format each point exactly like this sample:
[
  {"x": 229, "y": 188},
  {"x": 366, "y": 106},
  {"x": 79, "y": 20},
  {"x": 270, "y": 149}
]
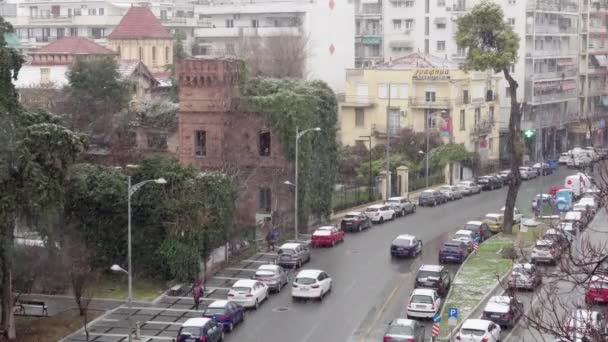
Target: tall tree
[
  {"x": 492, "y": 44},
  {"x": 35, "y": 152}
]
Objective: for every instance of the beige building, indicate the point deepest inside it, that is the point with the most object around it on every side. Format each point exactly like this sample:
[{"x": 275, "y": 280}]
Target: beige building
[
  {"x": 141, "y": 36},
  {"x": 419, "y": 88}
]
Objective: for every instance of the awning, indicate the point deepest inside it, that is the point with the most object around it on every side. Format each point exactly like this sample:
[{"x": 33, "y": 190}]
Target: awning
[
  {"x": 441, "y": 20},
  {"x": 602, "y": 60},
  {"x": 401, "y": 44},
  {"x": 565, "y": 62},
  {"x": 568, "y": 85}
]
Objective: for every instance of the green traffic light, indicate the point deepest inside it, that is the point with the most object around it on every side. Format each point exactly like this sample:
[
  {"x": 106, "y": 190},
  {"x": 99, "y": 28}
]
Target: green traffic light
[{"x": 529, "y": 133}]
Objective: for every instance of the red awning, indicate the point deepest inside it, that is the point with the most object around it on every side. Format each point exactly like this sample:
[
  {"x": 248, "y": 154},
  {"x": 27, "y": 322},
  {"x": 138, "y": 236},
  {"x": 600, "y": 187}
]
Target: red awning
[{"x": 568, "y": 85}]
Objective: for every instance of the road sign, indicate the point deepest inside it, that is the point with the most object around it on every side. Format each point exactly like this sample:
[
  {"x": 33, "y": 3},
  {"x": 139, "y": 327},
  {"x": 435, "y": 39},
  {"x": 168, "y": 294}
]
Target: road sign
[
  {"x": 452, "y": 322},
  {"x": 437, "y": 318},
  {"x": 453, "y": 312}
]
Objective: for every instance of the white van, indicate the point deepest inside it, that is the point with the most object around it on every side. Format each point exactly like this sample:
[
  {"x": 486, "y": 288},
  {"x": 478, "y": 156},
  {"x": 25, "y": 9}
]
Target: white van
[
  {"x": 578, "y": 183},
  {"x": 579, "y": 157}
]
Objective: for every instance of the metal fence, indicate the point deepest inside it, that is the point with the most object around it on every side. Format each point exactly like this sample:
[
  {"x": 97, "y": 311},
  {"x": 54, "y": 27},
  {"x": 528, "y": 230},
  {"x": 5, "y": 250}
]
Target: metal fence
[
  {"x": 354, "y": 194},
  {"x": 419, "y": 182}
]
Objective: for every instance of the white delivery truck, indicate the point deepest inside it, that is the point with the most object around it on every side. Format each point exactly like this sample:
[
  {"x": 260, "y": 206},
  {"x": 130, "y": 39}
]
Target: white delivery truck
[
  {"x": 578, "y": 157},
  {"x": 578, "y": 183}
]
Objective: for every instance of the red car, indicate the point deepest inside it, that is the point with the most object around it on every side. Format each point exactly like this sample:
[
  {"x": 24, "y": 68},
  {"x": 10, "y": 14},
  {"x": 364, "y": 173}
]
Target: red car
[
  {"x": 327, "y": 236},
  {"x": 597, "y": 292}
]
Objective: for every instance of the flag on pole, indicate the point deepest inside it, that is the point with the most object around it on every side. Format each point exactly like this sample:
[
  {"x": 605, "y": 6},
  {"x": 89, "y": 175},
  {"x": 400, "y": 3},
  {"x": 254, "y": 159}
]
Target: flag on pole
[{"x": 436, "y": 321}]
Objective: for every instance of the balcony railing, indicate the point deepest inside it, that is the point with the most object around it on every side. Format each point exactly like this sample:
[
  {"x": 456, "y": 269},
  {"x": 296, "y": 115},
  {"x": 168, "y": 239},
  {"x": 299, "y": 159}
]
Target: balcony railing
[
  {"x": 552, "y": 53},
  {"x": 482, "y": 127},
  {"x": 369, "y": 32},
  {"x": 423, "y": 102},
  {"x": 550, "y": 29},
  {"x": 552, "y": 6},
  {"x": 597, "y": 29},
  {"x": 356, "y": 100},
  {"x": 543, "y": 75},
  {"x": 552, "y": 97},
  {"x": 51, "y": 18},
  {"x": 174, "y": 20},
  {"x": 380, "y": 130}
]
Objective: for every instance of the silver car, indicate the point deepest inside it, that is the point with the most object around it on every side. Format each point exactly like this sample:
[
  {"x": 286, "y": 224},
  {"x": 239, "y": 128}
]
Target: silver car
[
  {"x": 469, "y": 187},
  {"x": 293, "y": 254},
  {"x": 273, "y": 276},
  {"x": 451, "y": 192}
]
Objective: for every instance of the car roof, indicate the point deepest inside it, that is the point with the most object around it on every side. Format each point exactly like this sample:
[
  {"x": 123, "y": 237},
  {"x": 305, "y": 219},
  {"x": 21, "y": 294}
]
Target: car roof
[
  {"x": 552, "y": 231},
  {"x": 453, "y": 243},
  {"x": 405, "y": 237},
  {"x": 308, "y": 273},
  {"x": 376, "y": 206},
  {"x": 464, "y": 231},
  {"x": 573, "y": 214},
  {"x": 423, "y": 292},
  {"x": 396, "y": 198},
  {"x": 494, "y": 215},
  {"x": 354, "y": 213},
  {"x": 475, "y": 223},
  {"x": 196, "y": 322},
  {"x": 403, "y": 322},
  {"x": 268, "y": 267},
  {"x": 429, "y": 191},
  {"x": 326, "y": 227},
  {"x": 432, "y": 268},
  {"x": 526, "y": 265},
  {"x": 498, "y": 304},
  {"x": 218, "y": 304},
  {"x": 474, "y": 323},
  {"x": 290, "y": 245},
  {"x": 544, "y": 242},
  {"x": 244, "y": 283}
]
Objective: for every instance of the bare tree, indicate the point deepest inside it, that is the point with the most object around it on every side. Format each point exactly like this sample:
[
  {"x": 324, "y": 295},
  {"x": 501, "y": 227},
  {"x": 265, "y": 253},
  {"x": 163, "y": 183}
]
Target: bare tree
[{"x": 282, "y": 56}]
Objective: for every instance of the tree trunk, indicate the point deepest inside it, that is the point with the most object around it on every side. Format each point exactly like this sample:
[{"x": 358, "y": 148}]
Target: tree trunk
[
  {"x": 514, "y": 148},
  {"x": 86, "y": 321},
  {"x": 8, "y": 319},
  {"x": 451, "y": 171}
]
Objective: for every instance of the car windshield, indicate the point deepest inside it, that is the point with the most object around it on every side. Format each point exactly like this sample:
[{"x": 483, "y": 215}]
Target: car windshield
[
  {"x": 350, "y": 216},
  {"x": 264, "y": 274},
  {"x": 215, "y": 311},
  {"x": 445, "y": 188},
  {"x": 393, "y": 201},
  {"x": 462, "y": 236},
  {"x": 190, "y": 331},
  {"x": 426, "y": 194},
  {"x": 491, "y": 219},
  {"x": 426, "y": 274},
  {"x": 473, "y": 332},
  {"x": 464, "y": 185},
  {"x": 402, "y": 330},
  {"x": 241, "y": 289},
  {"x": 521, "y": 270},
  {"x": 423, "y": 299},
  {"x": 471, "y": 227},
  {"x": 543, "y": 247},
  {"x": 402, "y": 242},
  {"x": 451, "y": 246},
  {"x": 370, "y": 210},
  {"x": 305, "y": 280}
]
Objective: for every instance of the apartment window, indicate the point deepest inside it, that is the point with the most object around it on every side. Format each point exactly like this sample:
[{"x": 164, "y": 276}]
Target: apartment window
[
  {"x": 69, "y": 12},
  {"x": 462, "y": 120},
  {"x": 45, "y": 76},
  {"x": 440, "y": 3},
  {"x": 397, "y": 24},
  {"x": 512, "y": 2},
  {"x": 427, "y": 24},
  {"x": 490, "y": 143},
  {"x": 157, "y": 141},
  {"x": 101, "y": 11},
  {"x": 163, "y": 14},
  {"x": 461, "y": 51},
  {"x": 430, "y": 119},
  {"x": 264, "y": 143},
  {"x": 511, "y": 21},
  {"x": 140, "y": 53},
  {"x": 426, "y": 46},
  {"x": 265, "y": 200},
  {"x": 60, "y": 33},
  {"x": 477, "y": 116},
  {"x": 441, "y": 45},
  {"x": 154, "y": 55},
  {"x": 427, "y": 5},
  {"x": 200, "y": 143},
  {"x": 229, "y": 22},
  {"x": 465, "y": 96},
  {"x": 255, "y": 23},
  {"x": 409, "y": 24},
  {"x": 429, "y": 96},
  {"x": 491, "y": 113},
  {"x": 441, "y": 26},
  {"x": 359, "y": 117},
  {"x": 77, "y": 12},
  {"x": 98, "y": 33},
  {"x": 92, "y": 11},
  {"x": 409, "y": 4},
  {"x": 119, "y": 52}
]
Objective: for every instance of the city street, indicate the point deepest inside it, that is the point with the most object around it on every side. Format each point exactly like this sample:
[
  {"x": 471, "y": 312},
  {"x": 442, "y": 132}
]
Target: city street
[{"x": 369, "y": 289}]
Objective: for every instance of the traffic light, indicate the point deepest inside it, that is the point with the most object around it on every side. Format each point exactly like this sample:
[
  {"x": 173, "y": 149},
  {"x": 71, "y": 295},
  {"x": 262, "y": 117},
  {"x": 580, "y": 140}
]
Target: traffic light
[{"x": 529, "y": 133}]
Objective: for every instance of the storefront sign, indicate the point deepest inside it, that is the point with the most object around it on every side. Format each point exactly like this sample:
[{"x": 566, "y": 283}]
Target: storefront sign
[{"x": 433, "y": 74}]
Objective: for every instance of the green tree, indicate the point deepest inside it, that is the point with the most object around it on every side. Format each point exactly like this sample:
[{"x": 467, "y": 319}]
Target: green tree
[
  {"x": 96, "y": 92},
  {"x": 35, "y": 152},
  {"x": 449, "y": 154},
  {"x": 492, "y": 44}
]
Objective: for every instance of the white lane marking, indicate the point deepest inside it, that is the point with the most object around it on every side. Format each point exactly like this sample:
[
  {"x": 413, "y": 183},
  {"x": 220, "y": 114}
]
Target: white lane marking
[
  {"x": 312, "y": 331},
  {"x": 141, "y": 336}
]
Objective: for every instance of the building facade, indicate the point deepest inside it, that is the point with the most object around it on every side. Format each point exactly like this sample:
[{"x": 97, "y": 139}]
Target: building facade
[
  {"x": 214, "y": 134},
  {"x": 421, "y": 92}
]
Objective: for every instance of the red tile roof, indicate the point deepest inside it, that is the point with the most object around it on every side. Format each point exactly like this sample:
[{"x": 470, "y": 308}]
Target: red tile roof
[
  {"x": 139, "y": 23},
  {"x": 75, "y": 46}
]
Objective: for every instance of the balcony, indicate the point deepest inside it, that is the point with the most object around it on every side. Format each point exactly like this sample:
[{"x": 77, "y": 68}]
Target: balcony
[
  {"x": 546, "y": 75},
  {"x": 596, "y": 91},
  {"x": 422, "y": 102},
  {"x": 551, "y": 53},
  {"x": 369, "y": 10},
  {"x": 482, "y": 128},
  {"x": 51, "y": 19},
  {"x": 359, "y": 101},
  {"x": 550, "y": 30},
  {"x": 552, "y": 97},
  {"x": 460, "y": 8},
  {"x": 380, "y": 130},
  {"x": 369, "y": 33},
  {"x": 552, "y": 6},
  {"x": 597, "y": 30},
  {"x": 221, "y": 32}
]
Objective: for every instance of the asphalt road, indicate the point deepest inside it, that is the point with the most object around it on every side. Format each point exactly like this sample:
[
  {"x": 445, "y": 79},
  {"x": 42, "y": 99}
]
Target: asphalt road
[{"x": 370, "y": 289}]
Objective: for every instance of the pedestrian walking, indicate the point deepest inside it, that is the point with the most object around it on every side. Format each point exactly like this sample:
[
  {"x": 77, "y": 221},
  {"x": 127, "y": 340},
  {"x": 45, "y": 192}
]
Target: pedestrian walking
[
  {"x": 271, "y": 238},
  {"x": 197, "y": 293}
]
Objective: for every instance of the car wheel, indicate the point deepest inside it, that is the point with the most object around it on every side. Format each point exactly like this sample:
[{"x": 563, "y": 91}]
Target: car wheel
[
  {"x": 403, "y": 212},
  {"x": 393, "y": 217},
  {"x": 222, "y": 337},
  {"x": 230, "y": 326},
  {"x": 381, "y": 220},
  {"x": 242, "y": 316},
  {"x": 299, "y": 264},
  {"x": 414, "y": 210},
  {"x": 359, "y": 229},
  {"x": 257, "y": 304}
]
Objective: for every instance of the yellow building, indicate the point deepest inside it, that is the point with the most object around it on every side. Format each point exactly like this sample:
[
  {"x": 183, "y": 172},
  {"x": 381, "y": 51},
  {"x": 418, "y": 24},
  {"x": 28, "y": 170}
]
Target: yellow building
[
  {"x": 462, "y": 106},
  {"x": 141, "y": 36}
]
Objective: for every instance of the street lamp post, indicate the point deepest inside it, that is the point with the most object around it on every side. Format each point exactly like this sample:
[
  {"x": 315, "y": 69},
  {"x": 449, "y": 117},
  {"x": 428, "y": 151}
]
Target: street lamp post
[
  {"x": 429, "y": 114},
  {"x": 369, "y": 190},
  {"x": 131, "y": 190},
  {"x": 298, "y": 136}
]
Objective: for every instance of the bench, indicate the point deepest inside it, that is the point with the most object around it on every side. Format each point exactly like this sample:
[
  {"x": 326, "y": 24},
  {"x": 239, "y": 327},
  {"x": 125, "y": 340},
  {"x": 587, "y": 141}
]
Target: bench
[
  {"x": 21, "y": 305},
  {"x": 177, "y": 290}
]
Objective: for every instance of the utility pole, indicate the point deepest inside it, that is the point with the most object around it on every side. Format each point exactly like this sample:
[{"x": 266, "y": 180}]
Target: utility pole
[
  {"x": 369, "y": 190},
  {"x": 388, "y": 143}
]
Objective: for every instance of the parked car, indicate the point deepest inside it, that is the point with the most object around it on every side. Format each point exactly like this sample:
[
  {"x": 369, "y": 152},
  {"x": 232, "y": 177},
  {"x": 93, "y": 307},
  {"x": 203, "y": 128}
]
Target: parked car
[
  {"x": 226, "y": 313},
  {"x": 469, "y": 187},
  {"x": 489, "y": 183},
  {"x": 248, "y": 292},
  {"x": 480, "y": 228},
  {"x": 378, "y": 213},
  {"x": 478, "y": 330},
  {"x": 423, "y": 303},
  {"x": 431, "y": 198},
  {"x": 547, "y": 200},
  {"x": 558, "y": 236},
  {"x": 590, "y": 201},
  {"x": 587, "y": 324},
  {"x": 563, "y": 158},
  {"x": 200, "y": 329},
  {"x": 468, "y": 237},
  {"x": 355, "y": 221},
  {"x": 498, "y": 180},
  {"x": 577, "y": 218},
  {"x": 293, "y": 254},
  {"x": 454, "y": 251},
  {"x": 273, "y": 276},
  {"x": 506, "y": 176},
  {"x": 517, "y": 215},
  {"x": 545, "y": 251},
  {"x": 404, "y": 330},
  {"x": 597, "y": 291},
  {"x": 503, "y": 310},
  {"x": 405, "y": 205},
  {"x": 524, "y": 276},
  {"x": 406, "y": 245},
  {"x": 542, "y": 169},
  {"x": 451, "y": 192},
  {"x": 311, "y": 284},
  {"x": 569, "y": 228},
  {"x": 327, "y": 236},
  {"x": 494, "y": 222},
  {"x": 527, "y": 173},
  {"x": 434, "y": 277}
]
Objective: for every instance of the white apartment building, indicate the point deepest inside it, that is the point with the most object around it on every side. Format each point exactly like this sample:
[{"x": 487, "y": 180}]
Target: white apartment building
[{"x": 210, "y": 27}]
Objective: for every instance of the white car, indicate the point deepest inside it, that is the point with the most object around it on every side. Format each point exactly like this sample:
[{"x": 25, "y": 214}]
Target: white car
[
  {"x": 545, "y": 251},
  {"x": 248, "y": 293},
  {"x": 469, "y": 187},
  {"x": 423, "y": 303},
  {"x": 311, "y": 284},
  {"x": 517, "y": 215},
  {"x": 588, "y": 201},
  {"x": 567, "y": 227},
  {"x": 527, "y": 172},
  {"x": 563, "y": 158},
  {"x": 452, "y": 192},
  {"x": 586, "y": 323},
  {"x": 378, "y": 213},
  {"x": 478, "y": 330},
  {"x": 466, "y": 236}
]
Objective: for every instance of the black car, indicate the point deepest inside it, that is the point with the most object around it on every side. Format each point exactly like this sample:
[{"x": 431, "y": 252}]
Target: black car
[
  {"x": 503, "y": 310},
  {"x": 543, "y": 169},
  {"x": 431, "y": 198},
  {"x": 355, "y": 222},
  {"x": 506, "y": 176},
  {"x": 434, "y": 277},
  {"x": 489, "y": 182},
  {"x": 406, "y": 246},
  {"x": 480, "y": 228},
  {"x": 453, "y": 251}
]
